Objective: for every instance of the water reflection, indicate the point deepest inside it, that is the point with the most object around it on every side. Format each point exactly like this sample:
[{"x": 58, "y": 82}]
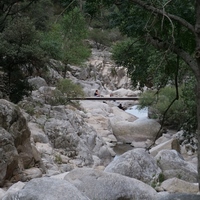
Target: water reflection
[
  {"x": 143, "y": 113},
  {"x": 119, "y": 149},
  {"x": 122, "y": 148}
]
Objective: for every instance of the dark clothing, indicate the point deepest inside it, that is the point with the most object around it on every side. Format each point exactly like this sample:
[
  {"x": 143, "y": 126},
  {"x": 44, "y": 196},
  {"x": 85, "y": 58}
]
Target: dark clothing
[
  {"x": 96, "y": 93},
  {"x": 120, "y": 106}
]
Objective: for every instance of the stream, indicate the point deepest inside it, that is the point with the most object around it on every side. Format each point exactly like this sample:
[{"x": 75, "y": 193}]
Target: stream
[{"x": 143, "y": 113}]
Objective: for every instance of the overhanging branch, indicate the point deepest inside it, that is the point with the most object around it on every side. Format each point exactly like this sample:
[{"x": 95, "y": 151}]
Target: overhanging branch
[
  {"x": 151, "y": 8},
  {"x": 164, "y": 45}
]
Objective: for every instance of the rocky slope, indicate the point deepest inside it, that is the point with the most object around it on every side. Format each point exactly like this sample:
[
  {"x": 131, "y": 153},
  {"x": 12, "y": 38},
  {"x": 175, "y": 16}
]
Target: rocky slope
[{"x": 61, "y": 152}]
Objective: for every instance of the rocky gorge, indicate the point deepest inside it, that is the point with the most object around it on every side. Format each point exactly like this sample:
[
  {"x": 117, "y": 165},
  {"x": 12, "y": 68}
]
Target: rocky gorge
[{"x": 61, "y": 152}]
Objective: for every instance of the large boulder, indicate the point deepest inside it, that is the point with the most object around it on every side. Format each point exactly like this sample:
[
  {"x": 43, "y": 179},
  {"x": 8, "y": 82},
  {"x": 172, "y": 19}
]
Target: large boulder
[
  {"x": 136, "y": 163},
  {"x": 47, "y": 189},
  {"x": 100, "y": 185},
  {"x": 177, "y": 196},
  {"x": 2, "y": 193},
  {"x": 96, "y": 108},
  {"x": 37, "y": 82},
  {"x": 37, "y": 133},
  {"x": 126, "y": 92},
  {"x": 16, "y": 150},
  {"x": 165, "y": 145},
  {"x": 8, "y": 156},
  {"x": 14, "y": 188},
  {"x": 138, "y": 130},
  {"x": 175, "y": 185},
  {"x": 123, "y": 116},
  {"x": 173, "y": 165}
]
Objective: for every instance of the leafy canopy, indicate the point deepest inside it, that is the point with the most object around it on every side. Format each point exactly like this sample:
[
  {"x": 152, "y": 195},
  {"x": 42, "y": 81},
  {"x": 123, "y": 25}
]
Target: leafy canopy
[
  {"x": 29, "y": 38},
  {"x": 155, "y": 41}
]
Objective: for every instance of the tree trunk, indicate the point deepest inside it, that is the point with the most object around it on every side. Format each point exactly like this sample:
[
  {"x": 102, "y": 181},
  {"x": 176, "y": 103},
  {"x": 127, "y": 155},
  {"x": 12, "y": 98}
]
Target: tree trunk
[
  {"x": 198, "y": 129},
  {"x": 197, "y": 74}
]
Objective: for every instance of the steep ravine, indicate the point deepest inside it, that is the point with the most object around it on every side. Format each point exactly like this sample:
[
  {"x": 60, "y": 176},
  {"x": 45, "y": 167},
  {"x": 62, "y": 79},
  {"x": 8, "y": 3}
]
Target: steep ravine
[{"x": 60, "y": 152}]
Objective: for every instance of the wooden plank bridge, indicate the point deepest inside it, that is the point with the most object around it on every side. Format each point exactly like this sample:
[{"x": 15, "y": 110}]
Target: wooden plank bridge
[{"x": 106, "y": 98}]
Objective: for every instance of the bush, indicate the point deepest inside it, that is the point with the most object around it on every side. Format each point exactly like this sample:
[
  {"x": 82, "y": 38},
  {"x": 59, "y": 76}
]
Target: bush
[
  {"x": 104, "y": 37},
  {"x": 65, "y": 90},
  {"x": 69, "y": 89},
  {"x": 179, "y": 114}
]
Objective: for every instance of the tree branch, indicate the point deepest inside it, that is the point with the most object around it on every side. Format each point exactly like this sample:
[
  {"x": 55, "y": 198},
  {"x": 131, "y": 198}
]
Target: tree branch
[
  {"x": 169, "y": 106},
  {"x": 164, "y": 45},
  {"x": 151, "y": 8}
]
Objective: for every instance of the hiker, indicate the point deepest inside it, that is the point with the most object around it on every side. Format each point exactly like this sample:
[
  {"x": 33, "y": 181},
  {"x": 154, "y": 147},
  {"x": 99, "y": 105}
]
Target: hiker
[
  {"x": 97, "y": 93},
  {"x": 121, "y": 107}
]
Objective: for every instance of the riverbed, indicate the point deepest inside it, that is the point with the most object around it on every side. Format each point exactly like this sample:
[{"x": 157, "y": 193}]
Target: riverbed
[{"x": 140, "y": 113}]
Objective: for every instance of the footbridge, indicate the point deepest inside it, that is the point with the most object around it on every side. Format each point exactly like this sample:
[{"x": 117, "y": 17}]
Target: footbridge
[{"x": 106, "y": 98}]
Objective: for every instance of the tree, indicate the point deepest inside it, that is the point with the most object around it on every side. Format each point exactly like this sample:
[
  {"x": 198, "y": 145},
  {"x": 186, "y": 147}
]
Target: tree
[
  {"x": 30, "y": 37},
  {"x": 74, "y": 31},
  {"x": 172, "y": 28},
  {"x": 20, "y": 56},
  {"x": 20, "y": 52}
]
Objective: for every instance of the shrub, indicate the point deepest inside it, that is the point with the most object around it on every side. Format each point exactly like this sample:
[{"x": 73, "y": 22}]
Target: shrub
[
  {"x": 65, "y": 90},
  {"x": 69, "y": 89},
  {"x": 181, "y": 111},
  {"x": 104, "y": 37}
]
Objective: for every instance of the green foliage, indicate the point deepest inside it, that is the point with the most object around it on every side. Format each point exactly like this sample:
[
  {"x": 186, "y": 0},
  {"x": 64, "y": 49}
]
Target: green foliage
[
  {"x": 189, "y": 99},
  {"x": 65, "y": 40},
  {"x": 104, "y": 37},
  {"x": 51, "y": 42},
  {"x": 69, "y": 89},
  {"x": 29, "y": 39},
  {"x": 134, "y": 56},
  {"x": 74, "y": 32},
  {"x": 157, "y": 67},
  {"x": 180, "y": 114},
  {"x": 18, "y": 88},
  {"x": 30, "y": 110},
  {"x": 41, "y": 14},
  {"x": 58, "y": 159},
  {"x": 158, "y": 181},
  {"x": 20, "y": 55},
  {"x": 65, "y": 90},
  {"x": 161, "y": 177},
  {"x": 97, "y": 14}
]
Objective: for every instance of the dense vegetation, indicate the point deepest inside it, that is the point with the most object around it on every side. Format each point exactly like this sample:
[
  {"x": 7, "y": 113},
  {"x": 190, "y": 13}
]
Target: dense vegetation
[
  {"x": 32, "y": 32},
  {"x": 163, "y": 47}
]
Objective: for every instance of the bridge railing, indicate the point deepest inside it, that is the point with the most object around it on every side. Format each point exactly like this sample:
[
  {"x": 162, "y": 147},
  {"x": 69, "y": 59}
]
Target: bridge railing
[{"x": 105, "y": 98}]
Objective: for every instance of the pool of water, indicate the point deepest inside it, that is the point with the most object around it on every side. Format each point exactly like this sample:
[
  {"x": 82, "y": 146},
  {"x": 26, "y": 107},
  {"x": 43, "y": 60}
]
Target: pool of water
[
  {"x": 140, "y": 113},
  {"x": 122, "y": 148}
]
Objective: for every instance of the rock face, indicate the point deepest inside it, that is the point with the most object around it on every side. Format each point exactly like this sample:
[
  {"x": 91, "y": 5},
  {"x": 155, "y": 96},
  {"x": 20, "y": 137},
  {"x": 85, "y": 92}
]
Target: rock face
[
  {"x": 68, "y": 131},
  {"x": 139, "y": 130},
  {"x": 175, "y": 185},
  {"x": 37, "y": 82},
  {"x": 136, "y": 163},
  {"x": 47, "y": 189},
  {"x": 173, "y": 165},
  {"x": 100, "y": 185},
  {"x": 60, "y": 141},
  {"x": 101, "y": 68},
  {"x": 16, "y": 150},
  {"x": 178, "y": 196}
]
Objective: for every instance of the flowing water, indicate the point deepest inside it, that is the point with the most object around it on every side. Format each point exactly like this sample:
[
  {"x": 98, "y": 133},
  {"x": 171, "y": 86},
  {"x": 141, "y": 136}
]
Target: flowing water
[{"x": 143, "y": 113}]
